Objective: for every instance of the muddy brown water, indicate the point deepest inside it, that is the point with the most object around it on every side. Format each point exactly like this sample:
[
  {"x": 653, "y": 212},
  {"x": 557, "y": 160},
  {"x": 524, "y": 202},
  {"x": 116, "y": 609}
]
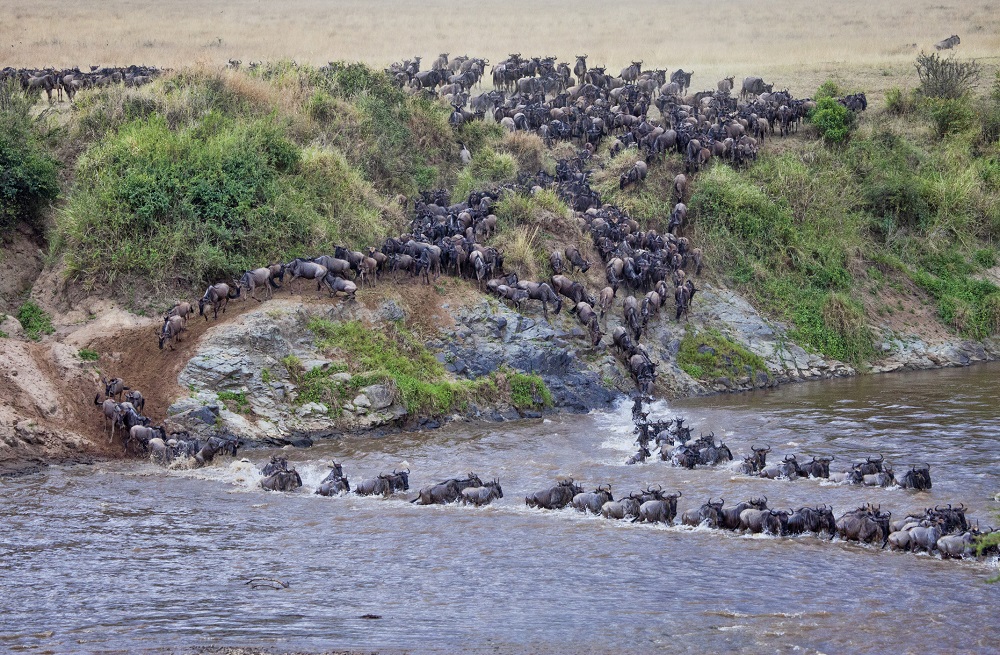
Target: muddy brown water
[{"x": 127, "y": 557}]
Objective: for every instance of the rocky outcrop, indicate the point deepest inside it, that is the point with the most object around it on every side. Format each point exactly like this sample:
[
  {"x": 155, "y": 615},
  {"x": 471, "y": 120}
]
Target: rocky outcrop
[{"x": 490, "y": 335}]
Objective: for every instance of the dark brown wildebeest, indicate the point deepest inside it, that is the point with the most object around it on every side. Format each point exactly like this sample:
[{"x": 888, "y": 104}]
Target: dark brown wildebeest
[{"x": 217, "y": 295}]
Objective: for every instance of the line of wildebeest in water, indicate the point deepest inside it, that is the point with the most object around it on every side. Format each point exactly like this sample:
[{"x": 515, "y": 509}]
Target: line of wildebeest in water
[{"x": 941, "y": 529}]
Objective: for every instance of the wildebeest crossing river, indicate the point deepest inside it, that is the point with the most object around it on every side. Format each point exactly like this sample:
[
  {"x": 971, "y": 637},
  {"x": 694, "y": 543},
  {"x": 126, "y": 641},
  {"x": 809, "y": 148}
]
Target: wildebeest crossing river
[{"x": 124, "y": 557}]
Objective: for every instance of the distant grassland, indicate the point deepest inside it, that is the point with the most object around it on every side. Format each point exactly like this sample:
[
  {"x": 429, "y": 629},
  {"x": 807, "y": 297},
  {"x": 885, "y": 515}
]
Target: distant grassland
[{"x": 798, "y": 43}]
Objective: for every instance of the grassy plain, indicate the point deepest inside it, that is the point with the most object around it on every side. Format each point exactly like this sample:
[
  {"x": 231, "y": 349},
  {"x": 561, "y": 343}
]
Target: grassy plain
[{"x": 867, "y": 43}]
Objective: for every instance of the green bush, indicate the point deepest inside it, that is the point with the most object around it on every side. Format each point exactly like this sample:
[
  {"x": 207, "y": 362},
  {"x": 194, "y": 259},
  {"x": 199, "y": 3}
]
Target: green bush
[
  {"x": 28, "y": 174},
  {"x": 950, "y": 115},
  {"x": 34, "y": 320},
  {"x": 900, "y": 102},
  {"x": 236, "y": 399},
  {"x": 88, "y": 355},
  {"x": 208, "y": 201},
  {"x": 833, "y": 120},
  {"x": 829, "y": 89},
  {"x": 946, "y": 78}
]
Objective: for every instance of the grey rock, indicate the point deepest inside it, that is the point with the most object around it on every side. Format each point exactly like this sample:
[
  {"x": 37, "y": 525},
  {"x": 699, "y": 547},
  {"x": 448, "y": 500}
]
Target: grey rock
[
  {"x": 380, "y": 396},
  {"x": 361, "y": 401},
  {"x": 390, "y": 311}
]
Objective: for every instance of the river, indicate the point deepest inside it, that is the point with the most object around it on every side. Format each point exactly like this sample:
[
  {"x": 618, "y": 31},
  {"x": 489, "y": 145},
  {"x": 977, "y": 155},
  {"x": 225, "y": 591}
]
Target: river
[{"x": 126, "y": 557}]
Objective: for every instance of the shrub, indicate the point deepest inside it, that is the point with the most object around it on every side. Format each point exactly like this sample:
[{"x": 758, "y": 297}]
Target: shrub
[
  {"x": 900, "y": 102},
  {"x": 833, "y": 120},
  {"x": 88, "y": 355},
  {"x": 949, "y": 115},
  {"x": 209, "y": 200},
  {"x": 829, "y": 89},
  {"x": 34, "y": 320},
  {"x": 28, "y": 175},
  {"x": 946, "y": 78}
]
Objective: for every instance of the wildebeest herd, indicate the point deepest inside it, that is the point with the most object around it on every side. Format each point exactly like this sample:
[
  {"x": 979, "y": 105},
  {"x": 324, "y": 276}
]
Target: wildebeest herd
[
  {"x": 70, "y": 81},
  {"x": 941, "y": 529},
  {"x": 122, "y": 409},
  {"x": 588, "y": 104}
]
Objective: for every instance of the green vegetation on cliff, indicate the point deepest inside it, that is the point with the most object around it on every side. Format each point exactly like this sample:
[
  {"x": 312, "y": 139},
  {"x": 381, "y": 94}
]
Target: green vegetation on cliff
[
  {"x": 394, "y": 354},
  {"x": 28, "y": 173}
]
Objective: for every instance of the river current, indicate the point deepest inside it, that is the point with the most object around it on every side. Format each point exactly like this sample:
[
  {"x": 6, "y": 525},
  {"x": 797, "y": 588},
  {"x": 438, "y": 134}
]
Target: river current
[{"x": 127, "y": 557}]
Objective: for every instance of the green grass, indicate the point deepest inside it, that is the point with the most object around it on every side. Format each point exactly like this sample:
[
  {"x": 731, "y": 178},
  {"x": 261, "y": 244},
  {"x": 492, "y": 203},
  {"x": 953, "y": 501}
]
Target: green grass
[
  {"x": 35, "y": 321},
  {"x": 236, "y": 400},
  {"x": 528, "y": 391},
  {"x": 708, "y": 355},
  {"x": 88, "y": 355},
  {"x": 394, "y": 354}
]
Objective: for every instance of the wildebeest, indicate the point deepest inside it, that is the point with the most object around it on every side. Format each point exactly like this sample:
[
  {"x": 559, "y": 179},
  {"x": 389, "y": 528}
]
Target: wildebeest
[
  {"x": 918, "y": 477},
  {"x": 659, "y": 510},
  {"x": 576, "y": 260},
  {"x": 140, "y": 435},
  {"x": 171, "y": 331},
  {"x": 109, "y": 408},
  {"x": 259, "y": 277},
  {"x": 955, "y": 545},
  {"x": 819, "y": 467},
  {"x": 637, "y": 173},
  {"x": 556, "y": 262},
  {"x": 593, "y": 501},
  {"x": 555, "y": 497},
  {"x": 218, "y": 296},
  {"x": 543, "y": 293},
  {"x": 812, "y": 519},
  {"x": 340, "y": 285},
  {"x": 135, "y": 397},
  {"x": 754, "y": 86},
  {"x": 182, "y": 309},
  {"x": 278, "y": 477},
  {"x": 788, "y": 468},
  {"x": 214, "y": 446},
  {"x": 948, "y": 44},
  {"x": 483, "y": 495},
  {"x": 626, "y": 508},
  {"x": 114, "y": 387},
  {"x": 334, "y": 483},
  {"x": 729, "y": 519},
  {"x": 447, "y": 491},
  {"x": 866, "y": 524},
  {"x": 300, "y": 268},
  {"x": 680, "y": 187},
  {"x": 709, "y": 514},
  {"x": 755, "y": 463}
]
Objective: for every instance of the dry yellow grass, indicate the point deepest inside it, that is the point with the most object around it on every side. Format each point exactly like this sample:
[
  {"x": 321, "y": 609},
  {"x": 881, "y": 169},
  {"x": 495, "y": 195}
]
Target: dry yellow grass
[{"x": 794, "y": 42}]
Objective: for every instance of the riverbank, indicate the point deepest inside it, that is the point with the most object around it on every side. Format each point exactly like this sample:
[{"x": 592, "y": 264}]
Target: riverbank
[{"x": 263, "y": 373}]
